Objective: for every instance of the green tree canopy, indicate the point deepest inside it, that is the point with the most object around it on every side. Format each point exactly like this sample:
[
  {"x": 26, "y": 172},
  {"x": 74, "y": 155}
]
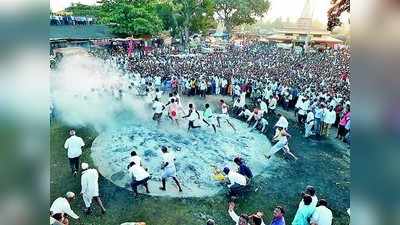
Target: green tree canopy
[
  {"x": 237, "y": 12},
  {"x": 131, "y": 18},
  {"x": 79, "y": 9}
]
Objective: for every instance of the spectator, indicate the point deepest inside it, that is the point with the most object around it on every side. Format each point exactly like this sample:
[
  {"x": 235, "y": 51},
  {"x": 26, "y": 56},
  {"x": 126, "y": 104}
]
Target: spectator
[{"x": 322, "y": 215}]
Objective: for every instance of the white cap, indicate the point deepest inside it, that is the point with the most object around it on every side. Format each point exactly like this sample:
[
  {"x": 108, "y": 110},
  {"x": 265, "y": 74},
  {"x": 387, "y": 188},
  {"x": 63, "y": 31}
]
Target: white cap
[
  {"x": 85, "y": 166},
  {"x": 70, "y": 194}
]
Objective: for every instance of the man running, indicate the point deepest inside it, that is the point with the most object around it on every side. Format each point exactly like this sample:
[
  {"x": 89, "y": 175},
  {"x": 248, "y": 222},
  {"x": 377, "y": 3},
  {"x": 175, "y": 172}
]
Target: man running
[
  {"x": 192, "y": 117},
  {"x": 224, "y": 115},
  {"x": 208, "y": 117},
  {"x": 158, "y": 108},
  {"x": 168, "y": 167},
  {"x": 281, "y": 136},
  {"x": 173, "y": 111}
]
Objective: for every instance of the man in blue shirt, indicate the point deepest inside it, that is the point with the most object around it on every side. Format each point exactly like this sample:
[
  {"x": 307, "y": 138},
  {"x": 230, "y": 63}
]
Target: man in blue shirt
[
  {"x": 243, "y": 169},
  {"x": 278, "y": 219}
]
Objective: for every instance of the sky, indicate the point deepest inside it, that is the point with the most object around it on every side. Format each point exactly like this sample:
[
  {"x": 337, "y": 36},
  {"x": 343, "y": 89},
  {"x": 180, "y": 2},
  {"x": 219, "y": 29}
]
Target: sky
[{"x": 279, "y": 8}]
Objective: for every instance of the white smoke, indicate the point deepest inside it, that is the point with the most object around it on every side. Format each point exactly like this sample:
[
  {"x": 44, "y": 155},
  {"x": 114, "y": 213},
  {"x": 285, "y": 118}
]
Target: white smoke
[{"x": 85, "y": 90}]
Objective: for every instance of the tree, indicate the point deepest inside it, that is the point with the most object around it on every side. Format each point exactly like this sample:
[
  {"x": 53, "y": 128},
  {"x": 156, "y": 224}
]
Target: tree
[
  {"x": 131, "y": 17},
  {"x": 335, "y": 11},
  {"x": 192, "y": 16},
  {"x": 237, "y": 12},
  {"x": 79, "y": 9},
  {"x": 165, "y": 12}
]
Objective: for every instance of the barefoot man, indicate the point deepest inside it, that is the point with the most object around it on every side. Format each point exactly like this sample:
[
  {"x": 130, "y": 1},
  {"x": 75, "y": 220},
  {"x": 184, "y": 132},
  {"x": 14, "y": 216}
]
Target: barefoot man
[
  {"x": 224, "y": 115},
  {"x": 168, "y": 167}
]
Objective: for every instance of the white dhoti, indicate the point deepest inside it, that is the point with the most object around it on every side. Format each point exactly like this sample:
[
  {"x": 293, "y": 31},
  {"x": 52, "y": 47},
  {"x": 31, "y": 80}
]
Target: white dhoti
[
  {"x": 90, "y": 186},
  {"x": 307, "y": 129},
  {"x": 87, "y": 199},
  {"x": 278, "y": 146}
]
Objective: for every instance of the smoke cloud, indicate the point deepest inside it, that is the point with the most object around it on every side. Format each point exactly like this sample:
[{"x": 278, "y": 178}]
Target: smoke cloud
[{"x": 88, "y": 91}]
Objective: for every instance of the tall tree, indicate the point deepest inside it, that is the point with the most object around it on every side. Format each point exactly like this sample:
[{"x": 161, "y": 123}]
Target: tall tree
[
  {"x": 237, "y": 12},
  {"x": 131, "y": 17},
  {"x": 193, "y": 16}
]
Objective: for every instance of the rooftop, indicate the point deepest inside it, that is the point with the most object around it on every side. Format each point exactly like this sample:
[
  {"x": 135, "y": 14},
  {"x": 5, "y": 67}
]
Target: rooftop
[{"x": 80, "y": 32}]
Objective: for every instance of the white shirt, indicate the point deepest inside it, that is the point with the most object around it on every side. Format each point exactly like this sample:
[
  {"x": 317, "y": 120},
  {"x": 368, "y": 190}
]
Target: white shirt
[
  {"x": 157, "y": 107},
  {"x": 235, "y": 217},
  {"x": 242, "y": 99},
  {"x": 247, "y": 113},
  {"x": 263, "y": 106},
  {"x": 224, "y": 108},
  {"x": 89, "y": 183},
  {"x": 169, "y": 158},
  {"x": 235, "y": 177},
  {"x": 203, "y": 86},
  {"x": 330, "y": 117},
  {"x": 136, "y": 159},
  {"x": 74, "y": 145},
  {"x": 138, "y": 172},
  {"x": 61, "y": 205},
  {"x": 272, "y": 103},
  {"x": 322, "y": 216},
  {"x": 282, "y": 122},
  {"x": 310, "y": 116},
  {"x": 304, "y": 107},
  {"x": 158, "y": 95},
  {"x": 157, "y": 81},
  {"x": 193, "y": 116}
]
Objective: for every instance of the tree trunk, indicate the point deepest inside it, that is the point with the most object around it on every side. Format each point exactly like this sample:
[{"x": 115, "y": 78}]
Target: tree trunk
[{"x": 228, "y": 27}]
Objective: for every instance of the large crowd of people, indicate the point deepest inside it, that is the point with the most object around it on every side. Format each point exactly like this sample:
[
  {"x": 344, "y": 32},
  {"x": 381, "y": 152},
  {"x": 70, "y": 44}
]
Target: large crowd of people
[
  {"x": 257, "y": 78},
  {"x": 313, "y": 84}
]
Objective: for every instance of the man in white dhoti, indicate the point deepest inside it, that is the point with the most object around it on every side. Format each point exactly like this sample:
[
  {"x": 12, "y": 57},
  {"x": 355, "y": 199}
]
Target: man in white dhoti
[
  {"x": 90, "y": 187},
  {"x": 281, "y": 136},
  {"x": 308, "y": 125}
]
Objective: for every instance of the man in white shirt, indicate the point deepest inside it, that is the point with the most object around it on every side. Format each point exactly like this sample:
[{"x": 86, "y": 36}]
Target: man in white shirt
[
  {"x": 135, "y": 158},
  {"x": 282, "y": 122},
  {"x": 224, "y": 115},
  {"x": 203, "y": 89},
  {"x": 239, "y": 220},
  {"x": 168, "y": 167},
  {"x": 322, "y": 215},
  {"x": 263, "y": 107},
  {"x": 242, "y": 99},
  {"x": 272, "y": 104},
  {"x": 74, "y": 146},
  {"x": 303, "y": 108},
  {"x": 245, "y": 219},
  {"x": 158, "y": 108},
  {"x": 237, "y": 181},
  {"x": 308, "y": 124},
  {"x": 90, "y": 187},
  {"x": 62, "y": 206},
  {"x": 329, "y": 119},
  {"x": 246, "y": 113},
  {"x": 139, "y": 177}
]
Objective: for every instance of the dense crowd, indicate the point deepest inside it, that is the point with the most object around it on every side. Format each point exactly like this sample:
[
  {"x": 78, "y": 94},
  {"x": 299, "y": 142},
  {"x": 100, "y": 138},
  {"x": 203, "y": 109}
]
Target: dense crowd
[
  {"x": 55, "y": 20},
  {"x": 313, "y": 84}
]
